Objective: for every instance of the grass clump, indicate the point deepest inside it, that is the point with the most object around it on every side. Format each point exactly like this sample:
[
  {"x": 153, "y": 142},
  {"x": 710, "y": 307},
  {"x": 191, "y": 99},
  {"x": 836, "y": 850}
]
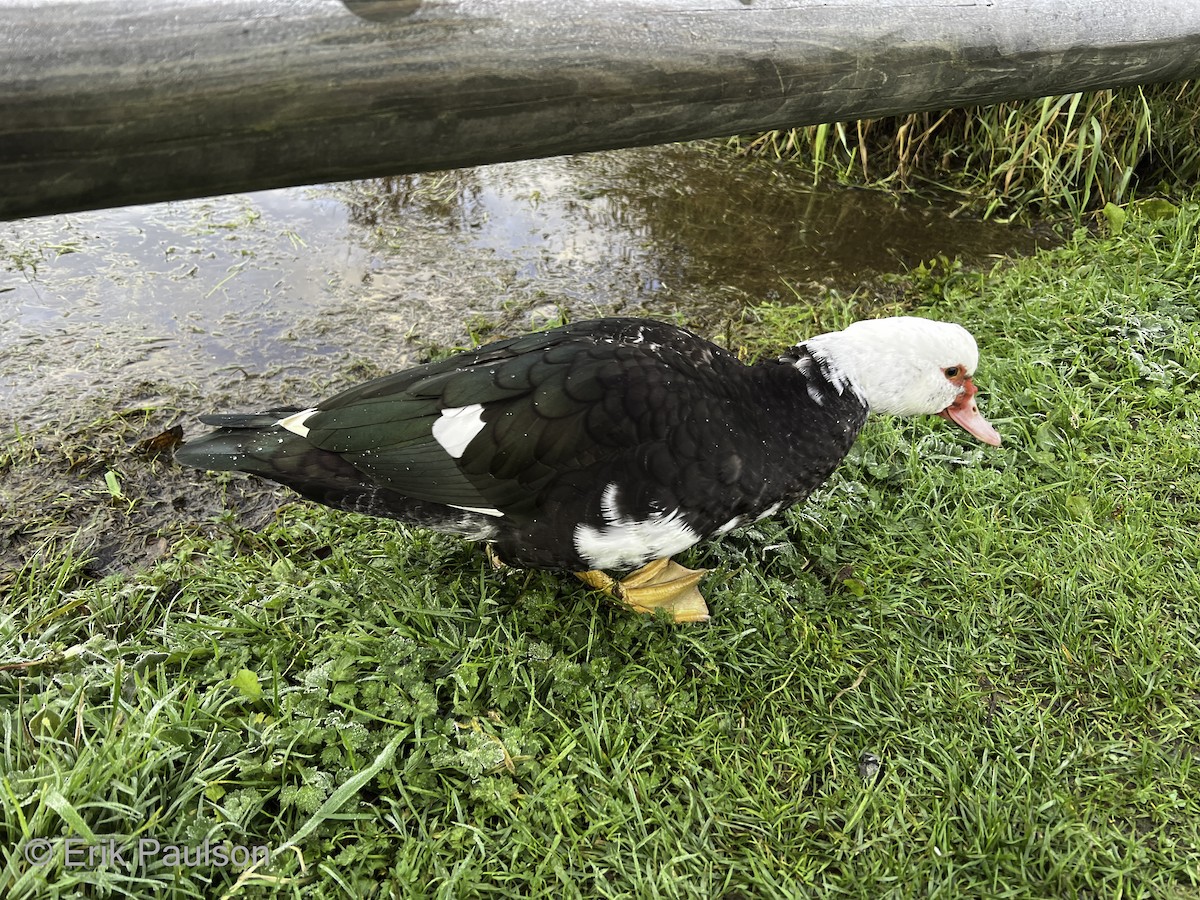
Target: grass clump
[
  {"x": 1072, "y": 153},
  {"x": 957, "y": 671}
]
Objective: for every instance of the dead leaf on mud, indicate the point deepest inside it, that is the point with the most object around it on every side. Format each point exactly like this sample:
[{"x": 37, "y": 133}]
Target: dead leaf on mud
[{"x": 160, "y": 444}]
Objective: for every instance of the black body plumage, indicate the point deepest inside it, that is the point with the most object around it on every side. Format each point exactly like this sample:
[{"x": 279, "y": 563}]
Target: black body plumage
[{"x": 597, "y": 444}]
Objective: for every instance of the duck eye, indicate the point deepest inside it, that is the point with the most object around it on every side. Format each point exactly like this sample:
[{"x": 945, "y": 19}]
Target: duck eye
[{"x": 952, "y": 372}]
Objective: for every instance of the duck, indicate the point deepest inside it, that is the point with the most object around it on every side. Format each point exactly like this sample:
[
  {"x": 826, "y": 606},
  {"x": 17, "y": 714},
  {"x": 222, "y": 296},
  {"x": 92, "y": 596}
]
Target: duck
[{"x": 605, "y": 447}]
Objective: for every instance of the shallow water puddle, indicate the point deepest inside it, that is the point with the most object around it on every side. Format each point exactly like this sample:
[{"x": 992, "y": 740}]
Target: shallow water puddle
[{"x": 310, "y": 280}]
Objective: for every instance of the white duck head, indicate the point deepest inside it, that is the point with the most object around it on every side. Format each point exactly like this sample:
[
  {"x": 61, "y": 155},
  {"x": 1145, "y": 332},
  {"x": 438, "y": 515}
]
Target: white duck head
[{"x": 908, "y": 366}]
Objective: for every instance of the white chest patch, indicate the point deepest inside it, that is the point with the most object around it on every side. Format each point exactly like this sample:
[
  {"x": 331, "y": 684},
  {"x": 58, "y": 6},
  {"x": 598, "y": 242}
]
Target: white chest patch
[
  {"x": 457, "y": 427},
  {"x": 623, "y": 542}
]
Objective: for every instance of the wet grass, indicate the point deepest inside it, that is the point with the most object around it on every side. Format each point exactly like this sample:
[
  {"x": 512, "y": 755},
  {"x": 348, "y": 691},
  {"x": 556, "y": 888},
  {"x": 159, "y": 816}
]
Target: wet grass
[
  {"x": 1071, "y": 153},
  {"x": 956, "y": 671}
]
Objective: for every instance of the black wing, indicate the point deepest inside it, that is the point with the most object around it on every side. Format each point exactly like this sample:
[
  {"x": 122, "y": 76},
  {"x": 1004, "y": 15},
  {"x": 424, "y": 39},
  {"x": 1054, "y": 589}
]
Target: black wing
[{"x": 552, "y": 403}]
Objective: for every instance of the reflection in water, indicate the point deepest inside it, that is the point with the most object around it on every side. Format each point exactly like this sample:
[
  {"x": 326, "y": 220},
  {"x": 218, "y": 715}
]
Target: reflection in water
[
  {"x": 753, "y": 224},
  {"x": 442, "y": 198},
  {"x": 313, "y": 280},
  {"x": 674, "y": 226}
]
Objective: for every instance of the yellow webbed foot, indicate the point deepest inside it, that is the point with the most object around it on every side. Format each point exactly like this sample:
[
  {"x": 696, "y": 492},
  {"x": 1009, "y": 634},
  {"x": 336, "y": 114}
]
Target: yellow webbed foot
[
  {"x": 661, "y": 584},
  {"x": 494, "y": 558}
]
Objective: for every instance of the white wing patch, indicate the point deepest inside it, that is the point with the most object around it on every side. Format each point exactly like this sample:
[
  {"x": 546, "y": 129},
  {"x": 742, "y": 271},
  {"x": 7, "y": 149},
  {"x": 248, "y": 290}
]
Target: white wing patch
[
  {"x": 768, "y": 512},
  {"x": 730, "y": 525},
  {"x": 295, "y": 422},
  {"x": 622, "y": 542},
  {"x": 456, "y": 429},
  {"x": 482, "y": 510}
]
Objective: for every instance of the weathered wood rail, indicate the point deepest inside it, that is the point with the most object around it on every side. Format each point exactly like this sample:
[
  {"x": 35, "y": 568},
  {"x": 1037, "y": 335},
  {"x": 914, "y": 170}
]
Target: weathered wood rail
[{"x": 111, "y": 102}]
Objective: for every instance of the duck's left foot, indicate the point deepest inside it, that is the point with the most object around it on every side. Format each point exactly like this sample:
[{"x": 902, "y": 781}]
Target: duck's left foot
[
  {"x": 494, "y": 558},
  {"x": 661, "y": 584}
]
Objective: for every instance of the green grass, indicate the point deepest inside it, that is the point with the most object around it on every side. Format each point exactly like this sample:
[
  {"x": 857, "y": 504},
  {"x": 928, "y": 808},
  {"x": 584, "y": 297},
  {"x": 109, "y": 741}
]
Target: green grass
[
  {"x": 1011, "y": 635},
  {"x": 1070, "y": 153}
]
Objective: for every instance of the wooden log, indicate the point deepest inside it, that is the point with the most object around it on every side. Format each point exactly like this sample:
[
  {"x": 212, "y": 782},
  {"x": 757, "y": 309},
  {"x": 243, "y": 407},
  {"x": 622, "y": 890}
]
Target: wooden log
[{"x": 112, "y": 102}]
